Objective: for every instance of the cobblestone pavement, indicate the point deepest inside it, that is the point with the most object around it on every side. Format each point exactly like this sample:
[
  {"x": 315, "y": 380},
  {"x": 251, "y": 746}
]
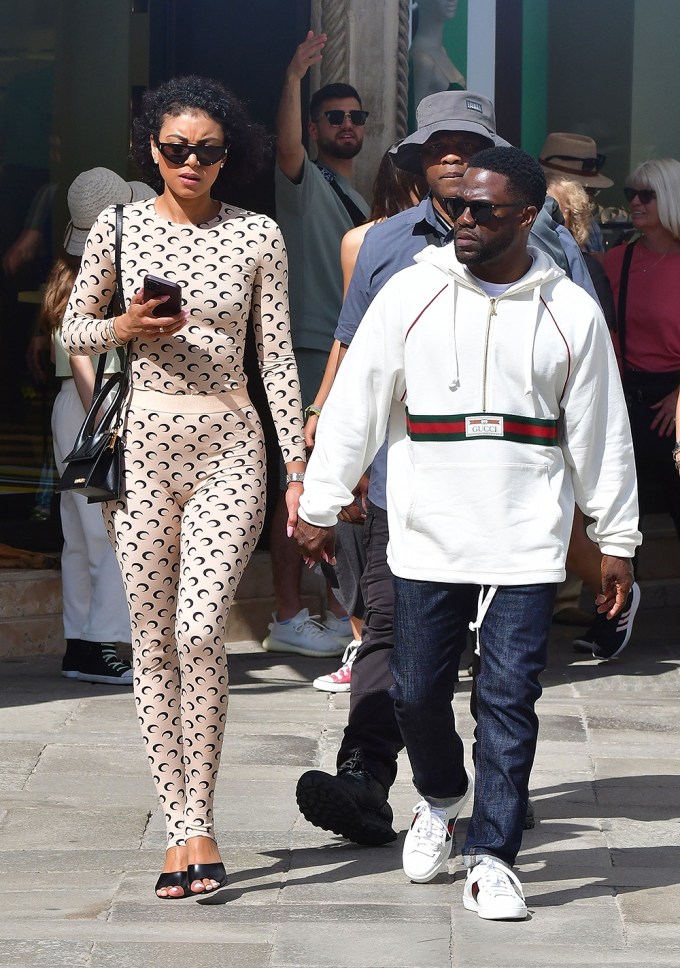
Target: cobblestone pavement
[{"x": 81, "y": 839}]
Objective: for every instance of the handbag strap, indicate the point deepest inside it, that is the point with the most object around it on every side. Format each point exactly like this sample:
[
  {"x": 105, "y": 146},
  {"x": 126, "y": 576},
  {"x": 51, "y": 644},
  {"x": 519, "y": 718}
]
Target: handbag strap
[
  {"x": 123, "y": 353},
  {"x": 623, "y": 296},
  {"x": 356, "y": 215}
]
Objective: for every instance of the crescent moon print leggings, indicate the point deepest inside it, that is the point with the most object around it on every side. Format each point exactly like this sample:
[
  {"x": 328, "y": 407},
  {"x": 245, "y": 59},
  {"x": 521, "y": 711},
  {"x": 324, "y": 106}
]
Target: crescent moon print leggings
[{"x": 192, "y": 514}]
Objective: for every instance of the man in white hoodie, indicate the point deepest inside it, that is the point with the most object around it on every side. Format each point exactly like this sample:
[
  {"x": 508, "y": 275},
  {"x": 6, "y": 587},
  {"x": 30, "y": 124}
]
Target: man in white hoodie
[{"x": 496, "y": 378}]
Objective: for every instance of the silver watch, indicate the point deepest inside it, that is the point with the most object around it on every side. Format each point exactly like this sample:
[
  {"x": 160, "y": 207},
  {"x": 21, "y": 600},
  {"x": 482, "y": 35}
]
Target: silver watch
[{"x": 297, "y": 477}]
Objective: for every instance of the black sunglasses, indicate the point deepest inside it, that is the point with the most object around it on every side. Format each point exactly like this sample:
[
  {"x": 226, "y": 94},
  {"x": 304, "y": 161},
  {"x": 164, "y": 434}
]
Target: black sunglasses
[
  {"x": 588, "y": 165},
  {"x": 644, "y": 194},
  {"x": 481, "y": 211},
  {"x": 336, "y": 117},
  {"x": 177, "y": 153}
]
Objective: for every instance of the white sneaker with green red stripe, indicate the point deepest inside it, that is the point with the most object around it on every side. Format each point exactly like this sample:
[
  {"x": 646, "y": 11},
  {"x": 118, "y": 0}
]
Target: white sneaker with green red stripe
[
  {"x": 428, "y": 843},
  {"x": 494, "y": 891}
]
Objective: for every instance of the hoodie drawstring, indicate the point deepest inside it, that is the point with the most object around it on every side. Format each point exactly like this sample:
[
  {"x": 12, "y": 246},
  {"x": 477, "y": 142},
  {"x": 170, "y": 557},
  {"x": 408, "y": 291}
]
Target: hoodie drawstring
[
  {"x": 453, "y": 345},
  {"x": 483, "y": 603},
  {"x": 529, "y": 362}
]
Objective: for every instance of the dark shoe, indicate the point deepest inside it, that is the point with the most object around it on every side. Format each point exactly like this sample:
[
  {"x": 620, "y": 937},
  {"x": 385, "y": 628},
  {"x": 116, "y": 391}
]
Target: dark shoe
[
  {"x": 213, "y": 872},
  {"x": 102, "y": 664},
  {"x": 172, "y": 879},
  {"x": 352, "y": 804},
  {"x": 530, "y": 819},
  {"x": 76, "y": 649},
  {"x": 606, "y": 638}
]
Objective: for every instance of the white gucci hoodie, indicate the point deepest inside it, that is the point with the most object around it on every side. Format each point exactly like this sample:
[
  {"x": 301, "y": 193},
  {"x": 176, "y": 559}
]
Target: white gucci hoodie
[{"x": 501, "y": 413}]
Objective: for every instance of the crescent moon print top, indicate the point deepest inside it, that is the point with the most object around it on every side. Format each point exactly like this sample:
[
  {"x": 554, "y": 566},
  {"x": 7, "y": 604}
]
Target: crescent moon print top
[{"x": 230, "y": 268}]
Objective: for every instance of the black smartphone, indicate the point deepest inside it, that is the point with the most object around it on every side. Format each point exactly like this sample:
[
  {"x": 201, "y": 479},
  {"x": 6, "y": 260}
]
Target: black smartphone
[{"x": 157, "y": 286}]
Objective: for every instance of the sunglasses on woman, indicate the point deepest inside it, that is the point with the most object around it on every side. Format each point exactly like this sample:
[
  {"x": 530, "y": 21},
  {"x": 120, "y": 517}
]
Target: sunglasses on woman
[
  {"x": 480, "y": 211},
  {"x": 644, "y": 194},
  {"x": 336, "y": 117},
  {"x": 177, "y": 153}
]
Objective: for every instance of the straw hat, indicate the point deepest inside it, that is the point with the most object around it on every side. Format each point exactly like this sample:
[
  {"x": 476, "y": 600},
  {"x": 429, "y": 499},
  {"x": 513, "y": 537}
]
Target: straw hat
[
  {"x": 575, "y": 156},
  {"x": 89, "y": 194},
  {"x": 446, "y": 111}
]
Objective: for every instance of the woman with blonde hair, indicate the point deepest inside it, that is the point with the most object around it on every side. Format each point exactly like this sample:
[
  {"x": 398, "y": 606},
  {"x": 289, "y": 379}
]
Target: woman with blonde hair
[{"x": 645, "y": 278}]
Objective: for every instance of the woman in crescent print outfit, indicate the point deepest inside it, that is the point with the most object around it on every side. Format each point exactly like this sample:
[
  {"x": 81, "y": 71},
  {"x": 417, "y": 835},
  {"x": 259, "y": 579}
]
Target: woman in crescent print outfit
[{"x": 194, "y": 494}]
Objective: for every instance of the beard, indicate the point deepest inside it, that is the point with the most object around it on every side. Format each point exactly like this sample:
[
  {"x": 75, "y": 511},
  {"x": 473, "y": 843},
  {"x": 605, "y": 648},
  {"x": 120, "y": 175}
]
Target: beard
[
  {"x": 485, "y": 251},
  {"x": 340, "y": 149}
]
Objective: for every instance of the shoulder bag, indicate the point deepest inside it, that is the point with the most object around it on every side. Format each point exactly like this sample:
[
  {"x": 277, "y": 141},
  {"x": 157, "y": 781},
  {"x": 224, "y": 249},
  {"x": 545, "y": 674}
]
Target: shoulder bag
[{"x": 94, "y": 466}]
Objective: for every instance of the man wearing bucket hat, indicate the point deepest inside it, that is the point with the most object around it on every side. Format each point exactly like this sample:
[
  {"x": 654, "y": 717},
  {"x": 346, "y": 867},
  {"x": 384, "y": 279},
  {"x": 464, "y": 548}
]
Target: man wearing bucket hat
[
  {"x": 452, "y": 127},
  {"x": 575, "y": 156}
]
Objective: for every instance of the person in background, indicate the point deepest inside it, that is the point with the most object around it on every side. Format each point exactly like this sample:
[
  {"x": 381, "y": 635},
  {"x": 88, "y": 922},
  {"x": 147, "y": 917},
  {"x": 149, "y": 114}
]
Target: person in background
[
  {"x": 575, "y": 156},
  {"x": 604, "y": 639},
  {"x": 645, "y": 276},
  {"x": 194, "y": 488},
  {"x": 315, "y": 206},
  {"x": 394, "y": 191},
  {"x": 95, "y": 611}
]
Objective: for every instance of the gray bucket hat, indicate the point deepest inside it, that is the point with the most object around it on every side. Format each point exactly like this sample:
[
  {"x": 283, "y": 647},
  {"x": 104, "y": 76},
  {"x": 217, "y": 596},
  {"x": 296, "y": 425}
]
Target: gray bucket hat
[
  {"x": 446, "y": 111},
  {"x": 89, "y": 194}
]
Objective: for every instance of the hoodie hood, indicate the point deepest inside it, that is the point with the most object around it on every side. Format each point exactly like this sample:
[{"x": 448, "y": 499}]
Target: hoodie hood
[{"x": 543, "y": 269}]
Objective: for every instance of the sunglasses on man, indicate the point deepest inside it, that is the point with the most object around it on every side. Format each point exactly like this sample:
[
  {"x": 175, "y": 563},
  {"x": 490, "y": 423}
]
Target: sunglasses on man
[
  {"x": 177, "y": 153},
  {"x": 481, "y": 211},
  {"x": 336, "y": 117},
  {"x": 644, "y": 194},
  {"x": 588, "y": 165}
]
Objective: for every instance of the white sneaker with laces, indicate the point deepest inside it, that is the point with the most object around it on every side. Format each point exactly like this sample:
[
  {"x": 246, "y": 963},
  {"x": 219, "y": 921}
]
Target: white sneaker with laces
[
  {"x": 302, "y": 635},
  {"x": 428, "y": 843},
  {"x": 339, "y": 681},
  {"x": 339, "y": 628},
  {"x": 494, "y": 892}
]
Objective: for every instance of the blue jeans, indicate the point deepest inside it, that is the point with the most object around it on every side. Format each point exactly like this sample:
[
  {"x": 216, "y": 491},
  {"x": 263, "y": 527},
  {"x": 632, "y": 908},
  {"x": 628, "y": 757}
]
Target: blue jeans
[{"x": 431, "y": 623}]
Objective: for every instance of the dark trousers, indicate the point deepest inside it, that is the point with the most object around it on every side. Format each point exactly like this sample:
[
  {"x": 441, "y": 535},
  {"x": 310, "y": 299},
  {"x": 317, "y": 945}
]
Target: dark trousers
[
  {"x": 658, "y": 481},
  {"x": 372, "y": 728},
  {"x": 431, "y": 624}
]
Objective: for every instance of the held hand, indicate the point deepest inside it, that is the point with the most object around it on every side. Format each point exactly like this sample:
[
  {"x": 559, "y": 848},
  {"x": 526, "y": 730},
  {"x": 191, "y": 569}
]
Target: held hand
[
  {"x": 138, "y": 321},
  {"x": 617, "y": 580},
  {"x": 355, "y": 513},
  {"x": 315, "y": 544},
  {"x": 664, "y": 421},
  {"x": 307, "y": 53},
  {"x": 293, "y": 495}
]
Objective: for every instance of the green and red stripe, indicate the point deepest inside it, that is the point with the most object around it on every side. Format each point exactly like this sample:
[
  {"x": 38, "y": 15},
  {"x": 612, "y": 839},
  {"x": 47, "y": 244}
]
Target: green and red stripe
[{"x": 521, "y": 430}]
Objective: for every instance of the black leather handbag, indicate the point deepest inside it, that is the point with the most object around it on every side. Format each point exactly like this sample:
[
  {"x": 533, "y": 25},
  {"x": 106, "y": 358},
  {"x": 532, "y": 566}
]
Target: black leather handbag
[{"x": 94, "y": 467}]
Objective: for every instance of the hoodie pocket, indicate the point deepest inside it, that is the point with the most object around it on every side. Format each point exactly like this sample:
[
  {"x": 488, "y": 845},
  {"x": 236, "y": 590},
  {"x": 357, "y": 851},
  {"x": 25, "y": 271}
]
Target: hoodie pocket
[{"x": 495, "y": 515}]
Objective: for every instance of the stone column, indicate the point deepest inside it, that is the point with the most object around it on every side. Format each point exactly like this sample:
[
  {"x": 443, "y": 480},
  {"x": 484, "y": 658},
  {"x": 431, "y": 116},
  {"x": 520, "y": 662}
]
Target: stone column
[{"x": 367, "y": 47}]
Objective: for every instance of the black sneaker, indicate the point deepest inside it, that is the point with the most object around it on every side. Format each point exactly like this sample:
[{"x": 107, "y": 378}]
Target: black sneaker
[
  {"x": 607, "y": 638},
  {"x": 75, "y": 650},
  {"x": 103, "y": 665},
  {"x": 352, "y": 804}
]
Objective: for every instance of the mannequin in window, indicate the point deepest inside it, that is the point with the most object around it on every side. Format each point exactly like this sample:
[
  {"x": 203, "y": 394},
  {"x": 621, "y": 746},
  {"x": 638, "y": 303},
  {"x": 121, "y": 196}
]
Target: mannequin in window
[{"x": 432, "y": 68}]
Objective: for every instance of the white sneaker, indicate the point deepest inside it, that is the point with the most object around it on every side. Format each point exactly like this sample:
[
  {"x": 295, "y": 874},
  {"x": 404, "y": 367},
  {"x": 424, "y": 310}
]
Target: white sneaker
[
  {"x": 339, "y": 681},
  {"x": 494, "y": 892},
  {"x": 301, "y": 634},
  {"x": 428, "y": 843},
  {"x": 339, "y": 628}
]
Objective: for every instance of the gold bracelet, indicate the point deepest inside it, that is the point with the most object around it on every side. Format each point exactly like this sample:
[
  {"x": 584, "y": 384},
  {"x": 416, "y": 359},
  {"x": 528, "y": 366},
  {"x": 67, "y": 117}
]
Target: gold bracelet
[{"x": 311, "y": 410}]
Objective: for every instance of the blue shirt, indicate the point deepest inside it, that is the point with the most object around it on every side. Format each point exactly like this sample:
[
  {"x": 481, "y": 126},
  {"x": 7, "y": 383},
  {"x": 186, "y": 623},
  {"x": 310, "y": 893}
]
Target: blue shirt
[
  {"x": 387, "y": 248},
  {"x": 390, "y": 246}
]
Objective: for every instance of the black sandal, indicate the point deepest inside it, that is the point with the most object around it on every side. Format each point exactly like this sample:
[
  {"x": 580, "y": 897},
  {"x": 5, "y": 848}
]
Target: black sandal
[
  {"x": 173, "y": 879},
  {"x": 213, "y": 872}
]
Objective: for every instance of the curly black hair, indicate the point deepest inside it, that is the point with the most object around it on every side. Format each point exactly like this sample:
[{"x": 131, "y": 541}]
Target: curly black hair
[
  {"x": 250, "y": 145},
  {"x": 526, "y": 178}
]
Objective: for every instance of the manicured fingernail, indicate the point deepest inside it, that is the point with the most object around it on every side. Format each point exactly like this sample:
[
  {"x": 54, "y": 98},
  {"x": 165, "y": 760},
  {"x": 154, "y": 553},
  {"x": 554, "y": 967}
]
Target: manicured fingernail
[{"x": 289, "y": 531}]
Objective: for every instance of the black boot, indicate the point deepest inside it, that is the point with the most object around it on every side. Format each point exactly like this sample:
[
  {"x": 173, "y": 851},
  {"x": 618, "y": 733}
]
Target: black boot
[{"x": 352, "y": 803}]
